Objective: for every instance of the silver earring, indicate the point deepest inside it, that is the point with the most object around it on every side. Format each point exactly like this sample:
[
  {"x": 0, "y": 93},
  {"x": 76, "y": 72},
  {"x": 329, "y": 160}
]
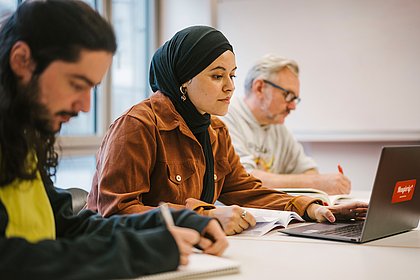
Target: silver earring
[{"x": 183, "y": 93}]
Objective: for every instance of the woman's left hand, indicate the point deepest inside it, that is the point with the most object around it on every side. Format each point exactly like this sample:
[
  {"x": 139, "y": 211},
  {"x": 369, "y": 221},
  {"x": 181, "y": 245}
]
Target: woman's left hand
[{"x": 353, "y": 210}]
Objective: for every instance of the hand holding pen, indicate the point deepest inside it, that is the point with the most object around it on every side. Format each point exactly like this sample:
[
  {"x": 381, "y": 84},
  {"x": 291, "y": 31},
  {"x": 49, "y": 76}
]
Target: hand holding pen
[
  {"x": 213, "y": 242},
  {"x": 185, "y": 238},
  {"x": 343, "y": 184}
]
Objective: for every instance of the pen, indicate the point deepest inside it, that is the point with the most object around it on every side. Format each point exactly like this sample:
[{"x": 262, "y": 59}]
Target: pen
[
  {"x": 340, "y": 169},
  {"x": 166, "y": 214}
]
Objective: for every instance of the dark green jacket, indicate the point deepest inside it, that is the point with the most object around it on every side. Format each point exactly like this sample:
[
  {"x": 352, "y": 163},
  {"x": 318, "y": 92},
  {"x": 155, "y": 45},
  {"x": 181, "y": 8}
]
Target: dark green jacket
[{"x": 91, "y": 247}]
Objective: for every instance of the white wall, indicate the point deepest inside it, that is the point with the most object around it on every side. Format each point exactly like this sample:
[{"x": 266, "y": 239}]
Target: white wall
[
  {"x": 175, "y": 15},
  {"x": 359, "y": 159},
  {"x": 359, "y": 61}
]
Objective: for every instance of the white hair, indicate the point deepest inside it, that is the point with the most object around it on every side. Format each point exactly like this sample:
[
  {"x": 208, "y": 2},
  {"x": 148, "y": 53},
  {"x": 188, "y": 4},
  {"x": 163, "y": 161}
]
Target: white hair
[{"x": 268, "y": 66}]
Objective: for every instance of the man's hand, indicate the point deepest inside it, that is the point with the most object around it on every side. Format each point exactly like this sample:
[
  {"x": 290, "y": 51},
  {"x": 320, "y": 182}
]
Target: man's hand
[
  {"x": 185, "y": 239},
  {"x": 234, "y": 219},
  {"x": 214, "y": 240},
  {"x": 353, "y": 210},
  {"x": 332, "y": 184}
]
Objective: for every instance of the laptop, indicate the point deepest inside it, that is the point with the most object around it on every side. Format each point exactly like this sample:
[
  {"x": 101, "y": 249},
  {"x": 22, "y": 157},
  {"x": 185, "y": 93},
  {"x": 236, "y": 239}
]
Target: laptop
[{"x": 394, "y": 205}]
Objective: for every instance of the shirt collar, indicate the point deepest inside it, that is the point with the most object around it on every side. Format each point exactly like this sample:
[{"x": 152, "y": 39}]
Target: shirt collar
[{"x": 168, "y": 118}]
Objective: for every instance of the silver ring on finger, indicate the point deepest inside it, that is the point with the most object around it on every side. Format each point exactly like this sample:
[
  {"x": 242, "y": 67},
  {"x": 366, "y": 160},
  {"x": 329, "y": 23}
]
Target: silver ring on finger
[{"x": 243, "y": 214}]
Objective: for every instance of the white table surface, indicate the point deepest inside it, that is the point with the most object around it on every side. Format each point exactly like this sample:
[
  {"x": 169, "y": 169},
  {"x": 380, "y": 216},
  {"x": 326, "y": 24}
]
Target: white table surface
[{"x": 280, "y": 256}]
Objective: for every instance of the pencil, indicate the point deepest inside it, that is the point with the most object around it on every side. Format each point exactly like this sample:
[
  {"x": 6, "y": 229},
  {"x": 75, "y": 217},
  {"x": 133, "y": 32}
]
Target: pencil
[{"x": 166, "y": 214}]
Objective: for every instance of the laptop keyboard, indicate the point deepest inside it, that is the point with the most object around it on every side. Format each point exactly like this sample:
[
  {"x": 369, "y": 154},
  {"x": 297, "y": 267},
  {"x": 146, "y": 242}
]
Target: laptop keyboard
[{"x": 349, "y": 230}]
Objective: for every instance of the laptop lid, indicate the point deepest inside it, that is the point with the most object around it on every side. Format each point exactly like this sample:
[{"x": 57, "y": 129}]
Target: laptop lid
[{"x": 394, "y": 205}]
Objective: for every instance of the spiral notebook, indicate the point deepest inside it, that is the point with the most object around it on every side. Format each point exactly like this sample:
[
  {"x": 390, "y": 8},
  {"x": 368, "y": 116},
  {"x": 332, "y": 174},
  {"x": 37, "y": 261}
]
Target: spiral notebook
[{"x": 200, "y": 265}]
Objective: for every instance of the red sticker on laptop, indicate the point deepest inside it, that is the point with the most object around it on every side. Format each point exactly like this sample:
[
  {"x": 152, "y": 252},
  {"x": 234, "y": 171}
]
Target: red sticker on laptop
[{"x": 403, "y": 191}]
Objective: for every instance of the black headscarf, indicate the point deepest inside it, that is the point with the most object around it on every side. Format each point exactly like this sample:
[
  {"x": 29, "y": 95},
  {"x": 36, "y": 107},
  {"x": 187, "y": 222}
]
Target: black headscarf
[{"x": 179, "y": 60}]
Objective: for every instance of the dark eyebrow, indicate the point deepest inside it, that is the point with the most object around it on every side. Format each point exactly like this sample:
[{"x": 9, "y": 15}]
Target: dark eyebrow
[
  {"x": 222, "y": 68},
  {"x": 85, "y": 79}
]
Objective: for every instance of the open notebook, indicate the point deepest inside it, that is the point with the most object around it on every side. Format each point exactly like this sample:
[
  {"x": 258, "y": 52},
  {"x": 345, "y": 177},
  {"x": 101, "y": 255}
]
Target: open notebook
[
  {"x": 315, "y": 193},
  {"x": 200, "y": 266}
]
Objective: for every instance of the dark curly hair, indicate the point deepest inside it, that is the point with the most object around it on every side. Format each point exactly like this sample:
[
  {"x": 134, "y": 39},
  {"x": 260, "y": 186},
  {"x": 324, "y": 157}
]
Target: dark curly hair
[{"x": 54, "y": 30}]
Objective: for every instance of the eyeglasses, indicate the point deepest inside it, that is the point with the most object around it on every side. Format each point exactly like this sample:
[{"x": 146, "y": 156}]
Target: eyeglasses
[{"x": 289, "y": 96}]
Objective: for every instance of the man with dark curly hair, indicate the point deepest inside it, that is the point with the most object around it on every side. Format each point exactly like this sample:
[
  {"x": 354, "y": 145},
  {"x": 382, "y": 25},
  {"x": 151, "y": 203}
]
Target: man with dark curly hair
[{"x": 52, "y": 54}]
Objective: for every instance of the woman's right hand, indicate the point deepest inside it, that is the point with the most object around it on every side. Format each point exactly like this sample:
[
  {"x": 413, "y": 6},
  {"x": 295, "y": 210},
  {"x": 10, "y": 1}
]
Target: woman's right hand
[{"x": 233, "y": 218}]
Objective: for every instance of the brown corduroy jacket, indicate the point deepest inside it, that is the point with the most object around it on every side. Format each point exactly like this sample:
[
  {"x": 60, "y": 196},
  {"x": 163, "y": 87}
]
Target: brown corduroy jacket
[{"x": 149, "y": 155}]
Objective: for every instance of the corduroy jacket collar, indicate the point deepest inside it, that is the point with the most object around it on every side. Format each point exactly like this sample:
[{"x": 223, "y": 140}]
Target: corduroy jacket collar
[{"x": 167, "y": 118}]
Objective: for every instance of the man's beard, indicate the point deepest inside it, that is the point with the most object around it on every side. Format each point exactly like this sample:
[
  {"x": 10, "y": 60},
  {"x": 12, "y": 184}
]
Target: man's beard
[
  {"x": 39, "y": 115},
  {"x": 265, "y": 107},
  {"x": 35, "y": 124}
]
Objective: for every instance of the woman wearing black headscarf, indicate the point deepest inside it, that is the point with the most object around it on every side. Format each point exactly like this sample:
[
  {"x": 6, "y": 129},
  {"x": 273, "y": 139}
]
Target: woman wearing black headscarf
[{"x": 170, "y": 148}]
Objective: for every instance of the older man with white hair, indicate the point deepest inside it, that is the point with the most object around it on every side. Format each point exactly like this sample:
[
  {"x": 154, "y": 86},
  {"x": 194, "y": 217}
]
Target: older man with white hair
[{"x": 268, "y": 150}]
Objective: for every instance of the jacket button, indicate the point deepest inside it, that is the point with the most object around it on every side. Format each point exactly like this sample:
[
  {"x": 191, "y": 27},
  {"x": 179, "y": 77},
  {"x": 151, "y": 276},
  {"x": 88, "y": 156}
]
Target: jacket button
[
  {"x": 215, "y": 177},
  {"x": 178, "y": 178}
]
